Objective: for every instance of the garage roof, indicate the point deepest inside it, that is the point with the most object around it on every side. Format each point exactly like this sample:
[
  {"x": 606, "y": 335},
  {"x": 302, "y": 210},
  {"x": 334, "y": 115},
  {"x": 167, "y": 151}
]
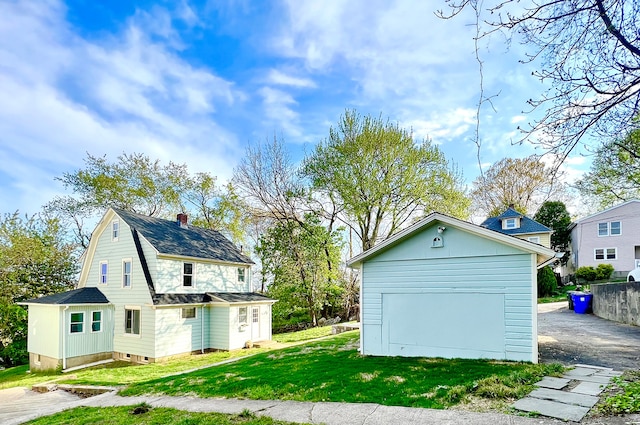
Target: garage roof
[{"x": 543, "y": 253}]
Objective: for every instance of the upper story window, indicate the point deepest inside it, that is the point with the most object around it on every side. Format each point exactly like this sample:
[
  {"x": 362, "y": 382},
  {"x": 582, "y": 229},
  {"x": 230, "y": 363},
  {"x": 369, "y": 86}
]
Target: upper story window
[
  {"x": 241, "y": 274},
  {"x": 104, "y": 268},
  {"x": 96, "y": 321},
  {"x": 510, "y": 223},
  {"x": 610, "y": 228},
  {"x": 187, "y": 274},
  {"x": 126, "y": 273},
  {"x": 115, "y": 230},
  {"x": 534, "y": 239},
  {"x": 76, "y": 323}
]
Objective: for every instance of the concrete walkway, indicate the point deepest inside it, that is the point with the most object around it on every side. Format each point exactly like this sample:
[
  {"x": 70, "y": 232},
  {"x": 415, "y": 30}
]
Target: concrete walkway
[{"x": 570, "y": 397}]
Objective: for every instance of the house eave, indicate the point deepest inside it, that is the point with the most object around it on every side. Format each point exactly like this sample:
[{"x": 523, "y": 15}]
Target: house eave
[{"x": 201, "y": 259}]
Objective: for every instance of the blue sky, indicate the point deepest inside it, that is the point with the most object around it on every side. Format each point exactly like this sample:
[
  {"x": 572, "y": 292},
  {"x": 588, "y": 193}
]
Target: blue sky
[{"x": 195, "y": 82}]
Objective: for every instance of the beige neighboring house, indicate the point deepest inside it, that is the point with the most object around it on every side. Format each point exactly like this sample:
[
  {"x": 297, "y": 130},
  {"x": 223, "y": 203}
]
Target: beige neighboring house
[
  {"x": 149, "y": 289},
  {"x": 514, "y": 223},
  {"x": 611, "y": 236}
]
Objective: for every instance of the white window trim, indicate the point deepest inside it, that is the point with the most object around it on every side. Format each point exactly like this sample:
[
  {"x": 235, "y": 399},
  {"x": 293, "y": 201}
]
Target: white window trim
[
  {"x": 193, "y": 274},
  {"x": 117, "y": 236},
  {"x": 71, "y": 313},
  {"x": 534, "y": 239},
  {"x": 93, "y": 321},
  {"x": 608, "y": 223},
  {"x": 246, "y": 316},
  {"x": 132, "y": 335},
  {"x": 619, "y": 234},
  {"x": 244, "y": 276},
  {"x": 127, "y": 260},
  {"x": 604, "y": 252},
  {"x": 106, "y": 276},
  {"x": 195, "y": 316},
  {"x": 505, "y": 226}
]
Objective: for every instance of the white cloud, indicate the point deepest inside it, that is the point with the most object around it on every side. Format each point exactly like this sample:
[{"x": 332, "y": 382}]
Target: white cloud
[
  {"x": 278, "y": 110},
  {"x": 277, "y": 77},
  {"x": 64, "y": 96}
]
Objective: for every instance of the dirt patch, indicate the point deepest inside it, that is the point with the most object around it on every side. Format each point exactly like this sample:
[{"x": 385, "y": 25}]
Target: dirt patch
[{"x": 569, "y": 338}]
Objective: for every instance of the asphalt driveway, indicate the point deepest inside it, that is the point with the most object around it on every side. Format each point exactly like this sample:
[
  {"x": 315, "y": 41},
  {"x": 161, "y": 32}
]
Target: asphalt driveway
[{"x": 569, "y": 338}]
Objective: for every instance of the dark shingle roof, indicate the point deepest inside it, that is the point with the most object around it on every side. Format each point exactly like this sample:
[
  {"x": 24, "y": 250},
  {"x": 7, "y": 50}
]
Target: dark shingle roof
[
  {"x": 76, "y": 296},
  {"x": 239, "y": 297},
  {"x": 230, "y": 297},
  {"x": 169, "y": 238},
  {"x": 527, "y": 225}
]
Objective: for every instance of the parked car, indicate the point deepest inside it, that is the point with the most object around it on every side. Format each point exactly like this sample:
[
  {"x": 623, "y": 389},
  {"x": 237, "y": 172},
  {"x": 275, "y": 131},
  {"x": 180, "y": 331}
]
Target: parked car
[{"x": 634, "y": 275}]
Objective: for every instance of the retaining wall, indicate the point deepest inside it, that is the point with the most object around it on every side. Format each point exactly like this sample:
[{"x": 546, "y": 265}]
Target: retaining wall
[{"x": 619, "y": 302}]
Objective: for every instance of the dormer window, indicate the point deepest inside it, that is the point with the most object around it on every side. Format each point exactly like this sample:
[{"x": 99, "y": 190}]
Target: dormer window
[
  {"x": 187, "y": 274},
  {"x": 511, "y": 223}
]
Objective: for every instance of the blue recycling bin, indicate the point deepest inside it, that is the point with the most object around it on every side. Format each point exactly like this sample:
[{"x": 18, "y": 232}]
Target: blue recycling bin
[{"x": 581, "y": 302}]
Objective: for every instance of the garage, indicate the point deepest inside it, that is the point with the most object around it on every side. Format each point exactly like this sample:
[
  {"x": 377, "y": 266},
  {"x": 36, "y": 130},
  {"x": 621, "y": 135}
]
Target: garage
[{"x": 449, "y": 288}]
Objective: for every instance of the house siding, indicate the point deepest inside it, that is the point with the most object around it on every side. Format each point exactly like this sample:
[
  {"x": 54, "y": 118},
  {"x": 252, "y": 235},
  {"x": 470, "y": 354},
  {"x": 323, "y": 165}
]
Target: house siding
[
  {"x": 471, "y": 298},
  {"x": 45, "y": 336},
  {"x": 545, "y": 238},
  {"x": 175, "y": 335},
  {"x": 219, "y": 328},
  {"x": 585, "y": 239},
  {"x": 208, "y": 277},
  {"x": 88, "y": 342}
]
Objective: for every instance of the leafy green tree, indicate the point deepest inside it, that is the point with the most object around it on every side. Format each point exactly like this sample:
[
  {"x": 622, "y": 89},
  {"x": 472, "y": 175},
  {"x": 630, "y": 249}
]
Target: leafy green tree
[
  {"x": 136, "y": 183},
  {"x": 614, "y": 176},
  {"x": 555, "y": 216},
  {"x": 294, "y": 257},
  {"x": 34, "y": 261},
  {"x": 380, "y": 178},
  {"x": 547, "y": 283},
  {"x": 522, "y": 182}
]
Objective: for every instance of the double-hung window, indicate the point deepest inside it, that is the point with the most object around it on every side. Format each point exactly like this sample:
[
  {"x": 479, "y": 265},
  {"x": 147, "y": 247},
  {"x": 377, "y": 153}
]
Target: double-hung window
[
  {"x": 606, "y": 253},
  {"x": 104, "y": 268},
  {"x": 187, "y": 274},
  {"x": 76, "y": 323},
  {"x": 132, "y": 321},
  {"x": 242, "y": 315},
  {"x": 241, "y": 274},
  {"x": 126, "y": 273},
  {"x": 610, "y": 228},
  {"x": 115, "y": 230},
  {"x": 96, "y": 321}
]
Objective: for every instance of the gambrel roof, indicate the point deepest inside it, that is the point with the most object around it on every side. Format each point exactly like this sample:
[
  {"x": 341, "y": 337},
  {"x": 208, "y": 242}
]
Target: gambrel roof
[{"x": 169, "y": 238}]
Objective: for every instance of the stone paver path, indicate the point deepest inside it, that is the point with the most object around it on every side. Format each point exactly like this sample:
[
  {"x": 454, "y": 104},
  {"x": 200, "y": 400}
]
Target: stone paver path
[{"x": 571, "y": 397}]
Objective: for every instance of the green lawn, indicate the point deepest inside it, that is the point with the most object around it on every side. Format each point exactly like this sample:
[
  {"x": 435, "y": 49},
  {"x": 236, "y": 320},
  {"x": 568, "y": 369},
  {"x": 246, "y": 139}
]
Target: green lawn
[
  {"x": 333, "y": 370},
  {"x": 143, "y": 414},
  {"x": 304, "y": 335},
  {"x": 118, "y": 373}
]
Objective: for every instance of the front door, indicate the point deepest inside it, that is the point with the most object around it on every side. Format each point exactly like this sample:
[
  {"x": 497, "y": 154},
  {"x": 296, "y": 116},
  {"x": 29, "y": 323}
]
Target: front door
[{"x": 255, "y": 323}]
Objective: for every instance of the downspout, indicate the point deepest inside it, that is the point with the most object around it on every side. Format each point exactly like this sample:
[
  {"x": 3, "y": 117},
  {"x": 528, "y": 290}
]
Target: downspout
[
  {"x": 202, "y": 329},
  {"x": 64, "y": 337}
]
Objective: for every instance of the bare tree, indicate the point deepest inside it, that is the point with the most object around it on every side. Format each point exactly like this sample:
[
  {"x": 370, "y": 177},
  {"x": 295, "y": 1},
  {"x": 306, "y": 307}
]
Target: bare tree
[{"x": 589, "y": 52}]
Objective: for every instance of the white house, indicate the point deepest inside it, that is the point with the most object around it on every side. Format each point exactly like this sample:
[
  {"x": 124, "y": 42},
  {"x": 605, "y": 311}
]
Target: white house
[
  {"x": 449, "y": 288},
  {"x": 149, "y": 289},
  {"x": 611, "y": 237}
]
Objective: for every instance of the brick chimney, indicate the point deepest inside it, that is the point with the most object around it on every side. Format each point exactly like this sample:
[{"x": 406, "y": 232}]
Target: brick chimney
[{"x": 182, "y": 220}]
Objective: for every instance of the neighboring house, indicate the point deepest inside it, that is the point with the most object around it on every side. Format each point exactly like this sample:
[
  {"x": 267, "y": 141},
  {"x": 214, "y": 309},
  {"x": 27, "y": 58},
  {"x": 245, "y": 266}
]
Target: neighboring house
[
  {"x": 149, "y": 289},
  {"x": 611, "y": 237},
  {"x": 513, "y": 223},
  {"x": 449, "y": 288}
]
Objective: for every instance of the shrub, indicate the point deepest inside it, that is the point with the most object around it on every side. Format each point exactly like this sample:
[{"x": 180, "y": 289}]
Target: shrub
[
  {"x": 587, "y": 273},
  {"x": 603, "y": 271},
  {"x": 547, "y": 283}
]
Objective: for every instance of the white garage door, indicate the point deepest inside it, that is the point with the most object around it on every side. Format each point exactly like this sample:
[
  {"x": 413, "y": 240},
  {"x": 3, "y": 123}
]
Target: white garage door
[{"x": 452, "y": 325}]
